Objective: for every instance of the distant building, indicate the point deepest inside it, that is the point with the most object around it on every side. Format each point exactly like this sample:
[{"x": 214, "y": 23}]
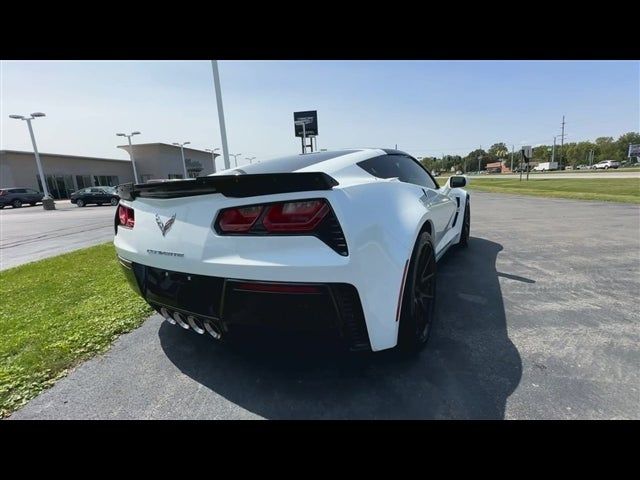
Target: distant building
[
  {"x": 64, "y": 173},
  {"x": 161, "y": 160},
  {"x": 68, "y": 173},
  {"x": 498, "y": 167}
]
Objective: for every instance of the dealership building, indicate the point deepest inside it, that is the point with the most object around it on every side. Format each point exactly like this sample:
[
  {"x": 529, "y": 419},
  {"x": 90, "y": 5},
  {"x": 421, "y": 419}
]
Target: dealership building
[{"x": 67, "y": 173}]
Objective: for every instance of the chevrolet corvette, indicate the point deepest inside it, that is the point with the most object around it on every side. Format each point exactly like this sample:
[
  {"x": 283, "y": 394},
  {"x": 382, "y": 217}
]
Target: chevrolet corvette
[{"x": 337, "y": 243}]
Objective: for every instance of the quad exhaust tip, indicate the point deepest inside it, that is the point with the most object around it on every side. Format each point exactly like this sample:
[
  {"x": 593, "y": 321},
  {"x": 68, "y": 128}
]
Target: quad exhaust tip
[
  {"x": 196, "y": 324},
  {"x": 192, "y": 322},
  {"x": 213, "y": 330},
  {"x": 177, "y": 316},
  {"x": 167, "y": 316}
]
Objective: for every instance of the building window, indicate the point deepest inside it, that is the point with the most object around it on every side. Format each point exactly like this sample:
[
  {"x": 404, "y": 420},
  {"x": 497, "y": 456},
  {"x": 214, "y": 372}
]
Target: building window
[
  {"x": 146, "y": 177},
  {"x": 173, "y": 176},
  {"x": 59, "y": 186},
  {"x": 105, "y": 180},
  {"x": 83, "y": 181}
]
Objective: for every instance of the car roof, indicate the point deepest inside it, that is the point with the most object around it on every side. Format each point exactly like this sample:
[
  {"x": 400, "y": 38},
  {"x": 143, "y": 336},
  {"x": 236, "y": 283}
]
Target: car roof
[{"x": 325, "y": 161}]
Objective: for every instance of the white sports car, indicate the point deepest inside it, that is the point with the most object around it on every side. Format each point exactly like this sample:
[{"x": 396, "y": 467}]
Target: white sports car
[{"x": 342, "y": 243}]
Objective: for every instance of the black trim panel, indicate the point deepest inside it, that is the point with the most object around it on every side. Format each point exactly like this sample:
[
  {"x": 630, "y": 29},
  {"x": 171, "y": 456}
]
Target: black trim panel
[
  {"x": 231, "y": 185},
  {"x": 335, "y": 309}
]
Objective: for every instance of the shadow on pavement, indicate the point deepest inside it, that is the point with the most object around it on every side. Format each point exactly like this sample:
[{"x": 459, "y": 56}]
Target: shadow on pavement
[{"x": 468, "y": 369}]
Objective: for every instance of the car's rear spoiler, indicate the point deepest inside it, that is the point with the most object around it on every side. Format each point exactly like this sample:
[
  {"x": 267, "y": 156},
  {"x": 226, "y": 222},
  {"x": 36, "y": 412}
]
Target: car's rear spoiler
[{"x": 230, "y": 185}]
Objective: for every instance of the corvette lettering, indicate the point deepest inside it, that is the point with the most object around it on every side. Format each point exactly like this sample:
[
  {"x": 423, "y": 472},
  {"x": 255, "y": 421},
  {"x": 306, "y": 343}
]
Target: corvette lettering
[{"x": 160, "y": 252}]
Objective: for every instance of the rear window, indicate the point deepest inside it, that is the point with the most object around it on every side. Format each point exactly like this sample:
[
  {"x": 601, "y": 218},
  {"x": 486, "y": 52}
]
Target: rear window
[
  {"x": 402, "y": 167},
  {"x": 291, "y": 163}
]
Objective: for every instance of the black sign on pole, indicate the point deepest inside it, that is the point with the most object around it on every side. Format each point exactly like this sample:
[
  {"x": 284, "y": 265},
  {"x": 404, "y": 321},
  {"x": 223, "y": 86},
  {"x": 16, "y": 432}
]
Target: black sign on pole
[{"x": 310, "y": 120}]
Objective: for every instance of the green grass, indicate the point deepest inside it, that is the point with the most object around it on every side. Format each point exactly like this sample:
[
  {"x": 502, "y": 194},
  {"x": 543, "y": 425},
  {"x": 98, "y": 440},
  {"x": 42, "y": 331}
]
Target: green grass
[
  {"x": 625, "y": 190},
  {"x": 56, "y": 313}
]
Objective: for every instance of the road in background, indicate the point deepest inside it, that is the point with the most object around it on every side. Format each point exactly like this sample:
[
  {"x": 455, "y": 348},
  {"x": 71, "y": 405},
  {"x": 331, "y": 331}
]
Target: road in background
[
  {"x": 537, "y": 319},
  {"x": 560, "y": 175},
  {"x": 31, "y": 233}
]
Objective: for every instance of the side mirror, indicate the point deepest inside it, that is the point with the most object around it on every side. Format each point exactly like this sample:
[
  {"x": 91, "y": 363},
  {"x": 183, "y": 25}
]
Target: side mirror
[{"x": 456, "y": 181}]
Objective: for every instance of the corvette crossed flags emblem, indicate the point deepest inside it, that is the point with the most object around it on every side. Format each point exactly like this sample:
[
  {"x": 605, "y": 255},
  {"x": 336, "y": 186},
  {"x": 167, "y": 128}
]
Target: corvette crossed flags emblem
[{"x": 166, "y": 226}]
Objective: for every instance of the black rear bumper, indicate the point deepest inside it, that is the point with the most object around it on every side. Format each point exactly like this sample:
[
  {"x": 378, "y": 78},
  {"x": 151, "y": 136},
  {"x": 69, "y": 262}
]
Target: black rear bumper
[{"x": 331, "y": 310}]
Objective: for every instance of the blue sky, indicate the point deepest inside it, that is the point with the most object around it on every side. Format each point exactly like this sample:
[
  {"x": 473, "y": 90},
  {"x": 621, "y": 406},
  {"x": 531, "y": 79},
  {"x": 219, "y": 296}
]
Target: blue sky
[{"x": 425, "y": 107}]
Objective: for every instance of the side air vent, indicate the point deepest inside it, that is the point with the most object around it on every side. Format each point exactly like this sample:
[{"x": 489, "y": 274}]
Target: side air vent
[
  {"x": 330, "y": 232},
  {"x": 455, "y": 219},
  {"x": 354, "y": 327}
]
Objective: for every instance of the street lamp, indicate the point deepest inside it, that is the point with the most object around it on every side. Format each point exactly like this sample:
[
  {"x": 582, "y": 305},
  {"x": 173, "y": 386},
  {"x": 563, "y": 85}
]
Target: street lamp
[
  {"x": 133, "y": 162},
  {"x": 184, "y": 163},
  {"x": 47, "y": 201},
  {"x": 235, "y": 157},
  {"x": 213, "y": 157},
  {"x": 250, "y": 159}
]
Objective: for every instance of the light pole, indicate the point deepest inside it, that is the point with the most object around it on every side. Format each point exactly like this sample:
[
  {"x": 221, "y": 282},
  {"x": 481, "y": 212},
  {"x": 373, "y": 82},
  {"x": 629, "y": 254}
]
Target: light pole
[
  {"x": 235, "y": 157},
  {"x": 47, "y": 201},
  {"x": 251, "y": 159},
  {"x": 133, "y": 162},
  {"x": 184, "y": 163},
  {"x": 213, "y": 157},
  {"x": 223, "y": 128}
]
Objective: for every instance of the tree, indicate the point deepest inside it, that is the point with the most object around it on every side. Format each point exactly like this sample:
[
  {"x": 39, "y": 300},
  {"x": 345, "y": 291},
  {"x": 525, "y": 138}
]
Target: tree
[
  {"x": 472, "y": 160},
  {"x": 630, "y": 138},
  {"x": 498, "y": 150}
]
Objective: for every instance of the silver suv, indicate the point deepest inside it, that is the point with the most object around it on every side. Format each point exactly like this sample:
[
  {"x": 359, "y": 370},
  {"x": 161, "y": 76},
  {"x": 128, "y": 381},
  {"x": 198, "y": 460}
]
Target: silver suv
[{"x": 606, "y": 165}]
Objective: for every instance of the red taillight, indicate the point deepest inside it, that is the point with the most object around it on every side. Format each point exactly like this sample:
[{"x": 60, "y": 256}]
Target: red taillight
[
  {"x": 239, "y": 219},
  {"x": 295, "y": 216},
  {"x": 126, "y": 217}
]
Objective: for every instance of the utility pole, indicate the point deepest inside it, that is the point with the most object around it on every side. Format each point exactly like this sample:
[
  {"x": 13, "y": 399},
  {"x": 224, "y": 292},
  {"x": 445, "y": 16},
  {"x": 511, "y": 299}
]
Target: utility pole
[
  {"x": 512, "y": 149},
  {"x": 553, "y": 151},
  {"x": 561, "y": 145}
]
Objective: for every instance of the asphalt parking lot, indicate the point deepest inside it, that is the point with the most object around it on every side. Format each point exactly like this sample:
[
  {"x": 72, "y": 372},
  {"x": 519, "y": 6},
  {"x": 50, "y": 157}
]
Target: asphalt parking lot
[
  {"x": 538, "y": 319},
  {"x": 31, "y": 233}
]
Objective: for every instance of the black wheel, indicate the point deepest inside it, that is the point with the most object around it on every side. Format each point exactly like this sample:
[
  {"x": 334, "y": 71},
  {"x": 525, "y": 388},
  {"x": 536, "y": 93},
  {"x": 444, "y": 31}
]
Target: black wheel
[
  {"x": 466, "y": 226},
  {"x": 16, "y": 203},
  {"x": 418, "y": 298},
  {"x": 114, "y": 201},
  {"x": 80, "y": 202}
]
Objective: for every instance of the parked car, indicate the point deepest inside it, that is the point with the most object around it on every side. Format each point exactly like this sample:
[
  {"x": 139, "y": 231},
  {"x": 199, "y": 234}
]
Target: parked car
[
  {"x": 288, "y": 244},
  {"x": 582, "y": 167},
  {"x": 95, "y": 195},
  {"x": 16, "y": 197},
  {"x": 606, "y": 165}
]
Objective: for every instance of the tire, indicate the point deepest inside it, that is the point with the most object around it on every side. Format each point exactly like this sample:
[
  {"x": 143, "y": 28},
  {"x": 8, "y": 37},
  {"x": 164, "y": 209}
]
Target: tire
[
  {"x": 114, "y": 202},
  {"x": 17, "y": 203},
  {"x": 466, "y": 226},
  {"x": 418, "y": 298},
  {"x": 80, "y": 202}
]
